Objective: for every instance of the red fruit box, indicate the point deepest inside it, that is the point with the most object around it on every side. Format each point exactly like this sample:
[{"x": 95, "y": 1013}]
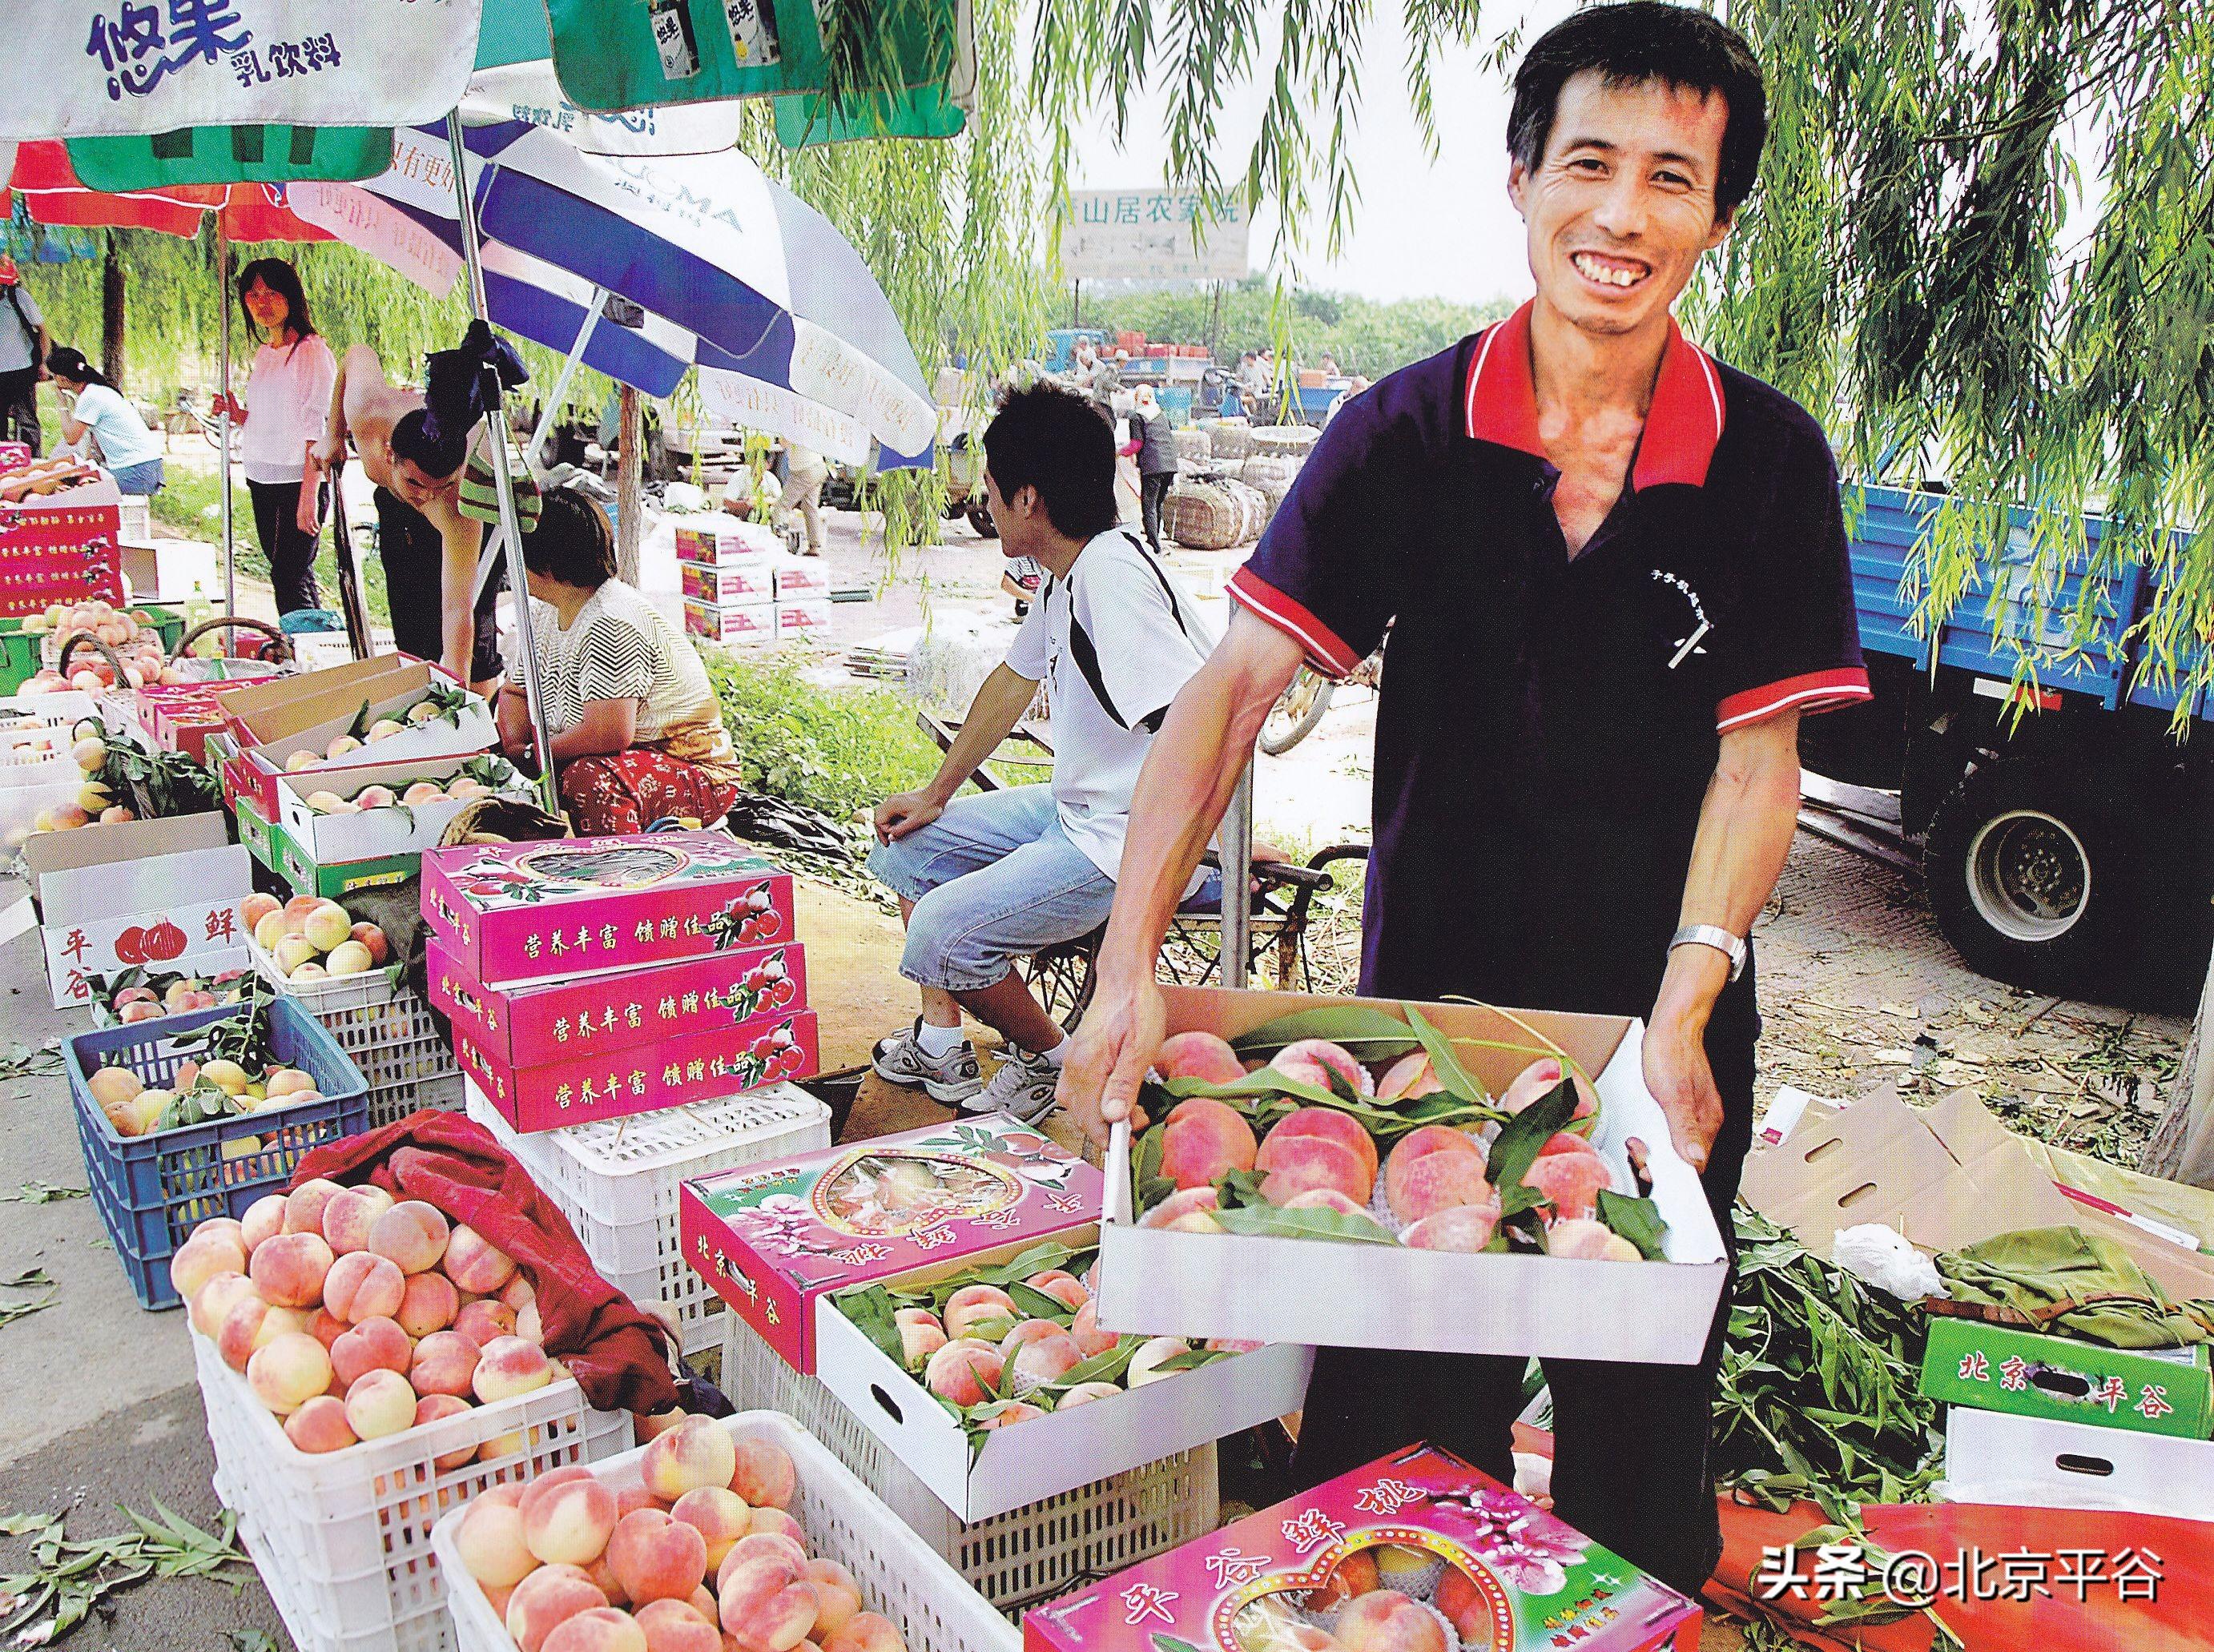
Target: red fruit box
[
  {"x": 1421, "y": 1523},
  {"x": 14, "y": 455},
  {"x": 754, "y": 622},
  {"x": 60, "y": 525},
  {"x": 515, "y": 914},
  {"x": 770, "y": 1238},
  {"x": 644, "y": 1077},
  {"x": 528, "y": 1025},
  {"x": 719, "y": 544},
  {"x": 743, "y": 582}
]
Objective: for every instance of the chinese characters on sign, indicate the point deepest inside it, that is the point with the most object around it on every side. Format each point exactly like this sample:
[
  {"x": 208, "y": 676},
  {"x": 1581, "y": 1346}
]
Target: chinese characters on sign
[
  {"x": 1150, "y": 235},
  {"x": 1912, "y": 1578}
]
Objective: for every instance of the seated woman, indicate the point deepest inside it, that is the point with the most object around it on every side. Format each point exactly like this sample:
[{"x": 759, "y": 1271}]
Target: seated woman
[
  {"x": 132, "y": 452},
  {"x": 637, "y": 734}
]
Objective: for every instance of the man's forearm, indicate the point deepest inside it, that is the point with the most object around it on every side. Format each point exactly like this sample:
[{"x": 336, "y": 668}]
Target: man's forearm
[
  {"x": 1745, "y": 826},
  {"x": 999, "y": 706}
]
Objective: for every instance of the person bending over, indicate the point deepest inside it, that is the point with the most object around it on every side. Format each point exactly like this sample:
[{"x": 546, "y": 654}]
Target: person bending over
[{"x": 132, "y": 452}]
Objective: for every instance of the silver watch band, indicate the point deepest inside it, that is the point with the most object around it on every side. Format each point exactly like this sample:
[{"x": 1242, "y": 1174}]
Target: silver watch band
[{"x": 1709, "y": 934}]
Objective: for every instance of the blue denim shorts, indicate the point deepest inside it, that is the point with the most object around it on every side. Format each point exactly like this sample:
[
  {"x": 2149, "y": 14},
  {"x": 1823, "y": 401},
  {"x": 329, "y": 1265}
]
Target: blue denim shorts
[
  {"x": 992, "y": 879},
  {"x": 142, "y": 478}
]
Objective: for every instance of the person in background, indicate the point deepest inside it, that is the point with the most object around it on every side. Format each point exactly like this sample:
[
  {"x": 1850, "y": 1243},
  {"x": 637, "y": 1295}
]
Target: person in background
[
  {"x": 806, "y": 472},
  {"x": 132, "y": 452},
  {"x": 1085, "y": 367},
  {"x": 283, "y": 414},
  {"x": 22, "y": 359},
  {"x": 637, "y": 734},
  {"x": 1153, "y": 443},
  {"x": 753, "y": 493}
]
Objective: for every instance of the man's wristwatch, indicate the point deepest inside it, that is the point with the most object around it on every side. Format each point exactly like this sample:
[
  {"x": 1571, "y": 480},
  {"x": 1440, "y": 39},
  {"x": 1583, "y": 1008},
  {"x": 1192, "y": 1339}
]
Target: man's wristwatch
[{"x": 1707, "y": 935}]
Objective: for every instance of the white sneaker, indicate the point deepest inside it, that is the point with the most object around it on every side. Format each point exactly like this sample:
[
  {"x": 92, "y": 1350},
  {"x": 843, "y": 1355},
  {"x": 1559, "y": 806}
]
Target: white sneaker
[
  {"x": 952, "y": 1078},
  {"x": 1024, "y": 1085}
]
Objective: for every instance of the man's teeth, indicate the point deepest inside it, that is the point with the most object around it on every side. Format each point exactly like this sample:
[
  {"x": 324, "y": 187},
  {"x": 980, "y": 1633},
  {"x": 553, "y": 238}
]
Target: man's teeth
[{"x": 1608, "y": 273}]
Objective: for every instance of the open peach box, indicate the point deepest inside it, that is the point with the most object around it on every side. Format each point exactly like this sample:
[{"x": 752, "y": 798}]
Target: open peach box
[
  {"x": 1264, "y": 1288},
  {"x": 332, "y": 839}
]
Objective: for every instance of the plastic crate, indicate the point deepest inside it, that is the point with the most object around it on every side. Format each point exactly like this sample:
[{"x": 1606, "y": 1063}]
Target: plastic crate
[
  {"x": 152, "y": 1191},
  {"x": 343, "y": 1538},
  {"x": 1043, "y": 1549},
  {"x": 616, "y": 1180},
  {"x": 386, "y": 1030},
  {"x": 900, "y": 1575}
]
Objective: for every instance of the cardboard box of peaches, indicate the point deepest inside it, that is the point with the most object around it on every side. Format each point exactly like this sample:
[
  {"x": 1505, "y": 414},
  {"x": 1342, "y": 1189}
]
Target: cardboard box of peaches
[{"x": 1447, "y": 1177}]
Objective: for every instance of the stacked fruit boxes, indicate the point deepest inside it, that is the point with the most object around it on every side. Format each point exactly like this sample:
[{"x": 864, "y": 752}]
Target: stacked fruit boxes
[{"x": 728, "y": 570}]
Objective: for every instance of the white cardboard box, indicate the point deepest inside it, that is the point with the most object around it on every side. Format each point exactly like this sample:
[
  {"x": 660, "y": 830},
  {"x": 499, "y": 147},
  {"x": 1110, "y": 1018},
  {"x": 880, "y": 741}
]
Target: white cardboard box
[
  {"x": 1258, "y": 1288},
  {"x": 750, "y": 622},
  {"x": 802, "y": 576},
  {"x": 802, "y": 616},
  {"x": 334, "y": 839},
  {"x": 714, "y": 542},
  {"x": 1049, "y": 1454},
  {"x": 2034, "y": 1462},
  {"x": 101, "y": 902}
]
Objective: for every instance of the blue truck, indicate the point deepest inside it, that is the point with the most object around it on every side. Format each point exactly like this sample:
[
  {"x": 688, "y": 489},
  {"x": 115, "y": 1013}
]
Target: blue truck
[{"x": 2066, "y": 832}]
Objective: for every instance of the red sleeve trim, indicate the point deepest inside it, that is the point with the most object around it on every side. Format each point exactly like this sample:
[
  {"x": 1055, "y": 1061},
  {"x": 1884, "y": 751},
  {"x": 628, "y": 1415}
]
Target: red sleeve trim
[
  {"x": 1326, "y": 652},
  {"x": 1816, "y": 691}
]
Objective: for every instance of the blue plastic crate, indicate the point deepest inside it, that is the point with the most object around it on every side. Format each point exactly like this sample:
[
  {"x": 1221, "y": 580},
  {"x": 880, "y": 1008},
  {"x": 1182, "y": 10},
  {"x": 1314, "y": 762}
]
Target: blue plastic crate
[{"x": 152, "y": 1191}]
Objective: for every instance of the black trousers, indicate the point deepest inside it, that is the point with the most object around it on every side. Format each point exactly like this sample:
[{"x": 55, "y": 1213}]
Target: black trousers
[
  {"x": 414, "y": 560},
  {"x": 19, "y": 407},
  {"x": 1630, "y": 1441},
  {"x": 291, "y": 554},
  {"x": 1152, "y": 492}
]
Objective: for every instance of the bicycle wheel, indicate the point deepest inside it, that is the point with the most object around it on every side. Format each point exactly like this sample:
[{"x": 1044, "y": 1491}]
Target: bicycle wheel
[
  {"x": 1060, "y": 979},
  {"x": 1296, "y": 712}
]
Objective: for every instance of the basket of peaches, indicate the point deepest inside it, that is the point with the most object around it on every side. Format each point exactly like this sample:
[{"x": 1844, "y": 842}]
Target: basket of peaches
[{"x": 1345, "y": 1123}]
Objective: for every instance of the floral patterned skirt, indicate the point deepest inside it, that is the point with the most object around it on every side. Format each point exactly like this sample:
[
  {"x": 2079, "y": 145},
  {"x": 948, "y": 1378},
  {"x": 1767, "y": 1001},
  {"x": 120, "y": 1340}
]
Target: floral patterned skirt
[{"x": 627, "y": 791}]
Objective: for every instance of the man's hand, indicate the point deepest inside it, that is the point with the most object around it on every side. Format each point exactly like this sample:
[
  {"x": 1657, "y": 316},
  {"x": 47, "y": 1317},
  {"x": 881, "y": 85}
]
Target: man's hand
[
  {"x": 328, "y": 452},
  {"x": 1676, "y": 1073},
  {"x": 1115, "y": 1047},
  {"x": 905, "y": 812}
]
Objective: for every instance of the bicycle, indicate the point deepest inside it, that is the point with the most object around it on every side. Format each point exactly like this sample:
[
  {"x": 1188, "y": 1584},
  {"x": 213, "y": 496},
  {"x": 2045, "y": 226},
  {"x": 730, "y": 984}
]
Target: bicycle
[
  {"x": 185, "y": 416},
  {"x": 1307, "y": 696}
]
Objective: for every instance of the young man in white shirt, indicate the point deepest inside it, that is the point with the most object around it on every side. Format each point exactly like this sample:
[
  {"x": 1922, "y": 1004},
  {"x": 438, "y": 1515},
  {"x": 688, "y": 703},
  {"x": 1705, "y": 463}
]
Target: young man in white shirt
[{"x": 986, "y": 879}]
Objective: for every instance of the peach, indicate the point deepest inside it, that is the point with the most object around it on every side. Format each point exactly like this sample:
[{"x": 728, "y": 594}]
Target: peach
[
  {"x": 602, "y": 1628},
  {"x": 637, "y": 1497},
  {"x": 1027, "y": 1331},
  {"x": 351, "y": 1213},
  {"x": 1313, "y": 1061},
  {"x": 777, "y": 1522},
  {"x": 656, "y": 1558},
  {"x": 436, "y": 1408},
  {"x": 1456, "y": 1228},
  {"x": 528, "y": 1325},
  {"x": 545, "y": 1599},
  {"x": 1410, "y": 1078},
  {"x": 762, "y": 1473},
  {"x": 1325, "y": 1198},
  {"x": 720, "y": 1516},
  {"x": 474, "y": 1263},
  {"x": 483, "y": 1320},
  {"x": 678, "y": 1626},
  {"x": 975, "y": 1305},
  {"x": 1046, "y": 1359},
  {"x": 379, "y": 1402},
  {"x": 1307, "y": 1162},
  {"x": 263, "y": 1219},
  {"x": 567, "y": 1520},
  {"x": 445, "y": 1362},
  {"x": 1085, "y": 1329},
  {"x": 305, "y": 1204},
  {"x": 518, "y": 1293},
  {"x": 209, "y": 1251},
  {"x": 509, "y": 1366},
  {"x": 962, "y": 1369},
  {"x": 1583, "y": 1238},
  {"x": 288, "y": 1371},
  {"x": 837, "y": 1596},
  {"x": 1145, "y": 1363},
  {"x": 1539, "y": 1080},
  {"x": 920, "y": 1335},
  {"x": 1326, "y": 1122},
  {"x": 326, "y": 1327},
  {"x": 246, "y": 1328},
  {"x": 1385, "y": 1620},
  {"x": 703, "y": 1602},
  {"x": 1204, "y": 1140},
  {"x": 489, "y": 1540},
  {"x": 697, "y": 1452},
  {"x": 755, "y": 1545},
  {"x": 374, "y": 1344},
  {"x": 1437, "y": 1181},
  {"x": 866, "y": 1631},
  {"x": 1573, "y": 1181},
  {"x": 1006, "y": 1413},
  {"x": 257, "y": 907},
  {"x": 363, "y": 1285},
  {"x": 1198, "y": 1055},
  {"x": 320, "y": 1425},
  {"x": 373, "y": 941},
  {"x": 768, "y": 1603},
  {"x": 215, "y": 1299},
  {"x": 428, "y": 1302},
  {"x": 1084, "y": 1392},
  {"x": 1354, "y": 1576},
  {"x": 1463, "y": 1606},
  {"x": 1564, "y": 1141},
  {"x": 603, "y": 1579},
  {"x": 1180, "y": 1207},
  {"x": 289, "y": 1269},
  {"x": 412, "y": 1233},
  {"x": 1063, "y": 1286}
]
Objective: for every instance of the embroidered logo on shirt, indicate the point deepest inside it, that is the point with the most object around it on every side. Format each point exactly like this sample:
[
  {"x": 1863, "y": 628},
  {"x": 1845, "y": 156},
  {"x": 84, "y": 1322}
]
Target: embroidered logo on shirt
[{"x": 1688, "y": 645}]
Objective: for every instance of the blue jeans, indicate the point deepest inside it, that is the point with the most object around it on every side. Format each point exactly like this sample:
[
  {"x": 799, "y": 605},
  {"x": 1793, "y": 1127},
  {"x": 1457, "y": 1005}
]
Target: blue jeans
[
  {"x": 992, "y": 879},
  {"x": 142, "y": 478}
]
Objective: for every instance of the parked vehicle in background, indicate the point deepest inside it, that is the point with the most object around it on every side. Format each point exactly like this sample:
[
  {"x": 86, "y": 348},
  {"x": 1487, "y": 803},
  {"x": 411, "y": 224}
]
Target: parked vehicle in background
[{"x": 683, "y": 446}]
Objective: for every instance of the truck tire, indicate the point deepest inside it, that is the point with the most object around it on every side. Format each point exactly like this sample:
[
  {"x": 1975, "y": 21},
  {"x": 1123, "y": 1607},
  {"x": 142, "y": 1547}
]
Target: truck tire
[
  {"x": 979, "y": 519},
  {"x": 2033, "y": 877}
]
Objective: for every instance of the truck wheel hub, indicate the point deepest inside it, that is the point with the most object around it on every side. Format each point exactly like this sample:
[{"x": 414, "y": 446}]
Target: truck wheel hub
[{"x": 2029, "y": 875}]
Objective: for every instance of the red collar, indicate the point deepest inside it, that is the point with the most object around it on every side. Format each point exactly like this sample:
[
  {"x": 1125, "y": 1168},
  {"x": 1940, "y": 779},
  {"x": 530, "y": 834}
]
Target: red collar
[{"x": 1682, "y": 428}]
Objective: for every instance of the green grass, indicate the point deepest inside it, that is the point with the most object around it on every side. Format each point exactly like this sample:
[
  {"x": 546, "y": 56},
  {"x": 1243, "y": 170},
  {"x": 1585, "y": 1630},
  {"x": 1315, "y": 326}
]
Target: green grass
[{"x": 840, "y": 751}]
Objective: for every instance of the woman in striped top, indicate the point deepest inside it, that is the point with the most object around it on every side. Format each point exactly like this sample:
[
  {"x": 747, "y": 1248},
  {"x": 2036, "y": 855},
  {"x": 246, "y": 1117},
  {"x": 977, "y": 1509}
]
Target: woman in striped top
[{"x": 637, "y": 734}]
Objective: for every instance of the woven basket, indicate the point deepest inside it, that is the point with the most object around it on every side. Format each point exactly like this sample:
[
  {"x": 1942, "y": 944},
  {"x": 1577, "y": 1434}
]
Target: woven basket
[
  {"x": 1254, "y": 510},
  {"x": 1230, "y": 440},
  {"x": 1192, "y": 447},
  {"x": 1293, "y": 439},
  {"x": 1202, "y": 514},
  {"x": 1270, "y": 475}
]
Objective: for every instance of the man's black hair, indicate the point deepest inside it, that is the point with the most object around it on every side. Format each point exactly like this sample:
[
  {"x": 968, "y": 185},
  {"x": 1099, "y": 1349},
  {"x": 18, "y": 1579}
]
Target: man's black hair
[
  {"x": 1630, "y": 44},
  {"x": 572, "y": 542},
  {"x": 1059, "y": 442}
]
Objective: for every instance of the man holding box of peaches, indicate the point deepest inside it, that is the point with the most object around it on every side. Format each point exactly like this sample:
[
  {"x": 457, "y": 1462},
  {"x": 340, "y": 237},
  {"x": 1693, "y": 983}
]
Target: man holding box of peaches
[{"x": 1617, "y": 576}]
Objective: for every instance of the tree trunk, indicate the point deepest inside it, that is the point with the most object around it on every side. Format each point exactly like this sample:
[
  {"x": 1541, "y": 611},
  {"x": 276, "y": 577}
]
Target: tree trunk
[
  {"x": 630, "y": 482},
  {"x": 111, "y": 316},
  {"x": 2181, "y": 1148}
]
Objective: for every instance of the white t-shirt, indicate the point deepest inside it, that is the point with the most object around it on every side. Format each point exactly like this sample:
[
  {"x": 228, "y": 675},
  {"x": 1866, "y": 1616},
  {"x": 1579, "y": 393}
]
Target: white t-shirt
[
  {"x": 1113, "y": 642},
  {"x": 619, "y": 647},
  {"x": 123, "y": 437},
  {"x": 17, "y": 341},
  {"x": 288, "y": 404}
]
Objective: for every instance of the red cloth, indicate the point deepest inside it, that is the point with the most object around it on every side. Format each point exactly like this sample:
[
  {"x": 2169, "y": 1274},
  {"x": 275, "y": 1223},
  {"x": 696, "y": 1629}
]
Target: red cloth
[
  {"x": 619, "y": 793},
  {"x": 611, "y": 1347}
]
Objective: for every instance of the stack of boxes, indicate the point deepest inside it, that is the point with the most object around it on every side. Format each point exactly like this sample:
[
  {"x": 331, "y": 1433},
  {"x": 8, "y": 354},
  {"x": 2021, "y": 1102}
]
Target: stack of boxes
[{"x": 740, "y": 585}]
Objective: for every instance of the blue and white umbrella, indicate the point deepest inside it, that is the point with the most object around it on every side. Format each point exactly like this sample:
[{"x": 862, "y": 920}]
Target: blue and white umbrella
[{"x": 736, "y": 274}]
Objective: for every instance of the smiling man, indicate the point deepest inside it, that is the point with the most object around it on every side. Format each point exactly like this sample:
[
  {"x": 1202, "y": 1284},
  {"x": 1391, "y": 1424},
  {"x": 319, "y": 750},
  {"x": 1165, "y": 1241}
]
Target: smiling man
[{"x": 1616, "y": 576}]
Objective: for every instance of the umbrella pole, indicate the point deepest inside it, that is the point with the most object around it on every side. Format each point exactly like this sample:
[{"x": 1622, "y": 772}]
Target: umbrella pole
[
  {"x": 223, "y": 371},
  {"x": 568, "y": 372},
  {"x": 504, "y": 484},
  {"x": 1236, "y": 857}
]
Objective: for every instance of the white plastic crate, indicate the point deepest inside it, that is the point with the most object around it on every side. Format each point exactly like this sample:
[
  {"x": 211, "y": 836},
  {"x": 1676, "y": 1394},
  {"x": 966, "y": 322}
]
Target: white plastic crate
[
  {"x": 900, "y": 1576},
  {"x": 386, "y": 1028},
  {"x": 616, "y": 1180},
  {"x": 1043, "y": 1549},
  {"x": 343, "y": 1537}
]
